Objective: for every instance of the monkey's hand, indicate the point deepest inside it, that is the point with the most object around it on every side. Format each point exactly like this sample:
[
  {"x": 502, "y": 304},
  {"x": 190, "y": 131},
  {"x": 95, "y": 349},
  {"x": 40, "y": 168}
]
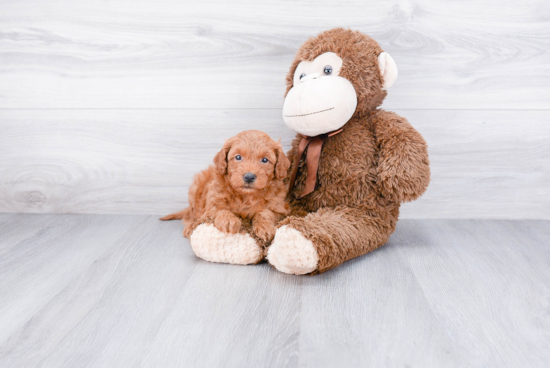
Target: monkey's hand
[{"x": 404, "y": 167}]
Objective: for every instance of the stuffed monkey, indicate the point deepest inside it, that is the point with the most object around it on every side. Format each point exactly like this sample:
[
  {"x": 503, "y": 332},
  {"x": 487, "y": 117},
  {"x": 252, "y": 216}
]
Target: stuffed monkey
[{"x": 352, "y": 164}]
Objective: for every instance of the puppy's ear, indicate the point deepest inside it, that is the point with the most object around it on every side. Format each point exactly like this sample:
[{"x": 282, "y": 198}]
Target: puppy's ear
[
  {"x": 220, "y": 160},
  {"x": 282, "y": 165}
]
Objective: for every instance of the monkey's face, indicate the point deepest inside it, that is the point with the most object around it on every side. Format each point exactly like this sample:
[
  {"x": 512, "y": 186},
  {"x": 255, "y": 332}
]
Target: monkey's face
[
  {"x": 320, "y": 101},
  {"x": 324, "y": 90}
]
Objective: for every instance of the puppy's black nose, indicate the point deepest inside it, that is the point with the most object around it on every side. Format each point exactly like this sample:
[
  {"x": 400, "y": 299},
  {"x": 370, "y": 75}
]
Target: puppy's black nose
[{"x": 249, "y": 178}]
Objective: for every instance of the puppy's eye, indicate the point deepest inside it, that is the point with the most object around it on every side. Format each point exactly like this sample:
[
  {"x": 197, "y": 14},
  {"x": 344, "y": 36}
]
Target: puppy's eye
[
  {"x": 265, "y": 160},
  {"x": 303, "y": 75},
  {"x": 328, "y": 70},
  {"x": 238, "y": 158}
]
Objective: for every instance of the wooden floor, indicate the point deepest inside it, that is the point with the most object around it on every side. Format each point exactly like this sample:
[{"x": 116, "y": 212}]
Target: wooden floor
[{"x": 127, "y": 291}]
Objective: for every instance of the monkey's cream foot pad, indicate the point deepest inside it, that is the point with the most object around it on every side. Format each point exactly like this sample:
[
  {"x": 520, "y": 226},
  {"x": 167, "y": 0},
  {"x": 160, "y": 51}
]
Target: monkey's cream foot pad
[
  {"x": 213, "y": 245},
  {"x": 292, "y": 253}
]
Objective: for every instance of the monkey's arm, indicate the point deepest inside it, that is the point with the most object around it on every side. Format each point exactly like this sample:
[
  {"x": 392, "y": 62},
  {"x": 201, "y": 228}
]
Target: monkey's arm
[{"x": 403, "y": 167}]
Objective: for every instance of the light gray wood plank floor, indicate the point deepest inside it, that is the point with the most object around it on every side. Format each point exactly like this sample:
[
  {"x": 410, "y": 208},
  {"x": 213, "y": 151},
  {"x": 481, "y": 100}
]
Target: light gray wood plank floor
[{"x": 127, "y": 291}]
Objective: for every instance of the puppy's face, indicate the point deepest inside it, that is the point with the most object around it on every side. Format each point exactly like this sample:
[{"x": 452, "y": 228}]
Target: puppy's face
[{"x": 251, "y": 160}]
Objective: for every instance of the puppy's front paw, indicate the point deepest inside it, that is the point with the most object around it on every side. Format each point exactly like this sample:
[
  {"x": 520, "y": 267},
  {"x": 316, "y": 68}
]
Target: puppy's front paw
[
  {"x": 264, "y": 230},
  {"x": 227, "y": 222}
]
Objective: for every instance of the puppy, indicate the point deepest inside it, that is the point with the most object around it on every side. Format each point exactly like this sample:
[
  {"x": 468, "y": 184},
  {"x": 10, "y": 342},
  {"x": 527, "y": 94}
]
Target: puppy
[{"x": 245, "y": 182}]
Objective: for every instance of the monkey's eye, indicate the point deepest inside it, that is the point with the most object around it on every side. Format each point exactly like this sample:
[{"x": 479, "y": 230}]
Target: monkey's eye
[
  {"x": 303, "y": 75},
  {"x": 238, "y": 158},
  {"x": 265, "y": 160},
  {"x": 328, "y": 70}
]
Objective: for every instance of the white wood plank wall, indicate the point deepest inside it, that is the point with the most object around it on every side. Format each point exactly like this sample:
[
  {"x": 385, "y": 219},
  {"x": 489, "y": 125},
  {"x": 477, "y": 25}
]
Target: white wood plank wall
[{"x": 112, "y": 106}]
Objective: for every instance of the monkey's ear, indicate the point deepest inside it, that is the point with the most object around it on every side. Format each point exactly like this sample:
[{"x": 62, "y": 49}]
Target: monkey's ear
[
  {"x": 282, "y": 165},
  {"x": 388, "y": 69},
  {"x": 220, "y": 160}
]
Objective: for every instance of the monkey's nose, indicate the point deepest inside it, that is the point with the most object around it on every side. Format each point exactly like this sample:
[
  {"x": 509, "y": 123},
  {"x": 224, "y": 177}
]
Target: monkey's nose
[{"x": 249, "y": 178}]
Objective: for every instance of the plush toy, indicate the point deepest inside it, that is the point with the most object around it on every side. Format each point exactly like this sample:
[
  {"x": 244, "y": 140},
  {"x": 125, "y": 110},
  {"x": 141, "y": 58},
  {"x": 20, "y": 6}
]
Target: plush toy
[{"x": 352, "y": 164}]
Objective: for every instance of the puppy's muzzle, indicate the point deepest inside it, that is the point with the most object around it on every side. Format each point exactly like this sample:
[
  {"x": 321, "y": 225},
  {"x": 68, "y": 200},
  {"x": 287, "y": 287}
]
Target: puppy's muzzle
[{"x": 249, "y": 178}]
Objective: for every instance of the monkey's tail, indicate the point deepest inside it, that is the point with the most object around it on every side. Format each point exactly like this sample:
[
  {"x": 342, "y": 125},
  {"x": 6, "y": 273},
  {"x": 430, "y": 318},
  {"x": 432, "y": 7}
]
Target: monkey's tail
[{"x": 185, "y": 214}]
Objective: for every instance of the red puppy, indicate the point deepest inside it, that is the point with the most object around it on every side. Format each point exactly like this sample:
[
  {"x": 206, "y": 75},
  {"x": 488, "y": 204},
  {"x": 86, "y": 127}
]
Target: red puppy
[{"x": 245, "y": 182}]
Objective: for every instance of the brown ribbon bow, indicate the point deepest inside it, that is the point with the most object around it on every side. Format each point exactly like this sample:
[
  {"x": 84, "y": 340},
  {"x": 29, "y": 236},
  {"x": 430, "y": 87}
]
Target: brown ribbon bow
[{"x": 314, "y": 146}]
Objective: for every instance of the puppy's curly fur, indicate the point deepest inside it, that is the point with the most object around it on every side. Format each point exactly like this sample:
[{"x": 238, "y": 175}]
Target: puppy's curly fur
[{"x": 221, "y": 195}]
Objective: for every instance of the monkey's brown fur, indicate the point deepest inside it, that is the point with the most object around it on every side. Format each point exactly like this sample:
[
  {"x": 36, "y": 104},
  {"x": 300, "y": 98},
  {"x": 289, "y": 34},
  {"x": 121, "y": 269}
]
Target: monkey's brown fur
[
  {"x": 378, "y": 161},
  {"x": 219, "y": 195}
]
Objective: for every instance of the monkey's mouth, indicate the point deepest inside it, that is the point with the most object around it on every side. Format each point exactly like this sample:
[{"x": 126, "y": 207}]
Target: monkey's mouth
[{"x": 311, "y": 113}]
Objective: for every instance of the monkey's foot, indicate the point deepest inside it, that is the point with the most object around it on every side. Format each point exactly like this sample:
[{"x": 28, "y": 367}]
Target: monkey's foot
[
  {"x": 213, "y": 245},
  {"x": 292, "y": 253}
]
